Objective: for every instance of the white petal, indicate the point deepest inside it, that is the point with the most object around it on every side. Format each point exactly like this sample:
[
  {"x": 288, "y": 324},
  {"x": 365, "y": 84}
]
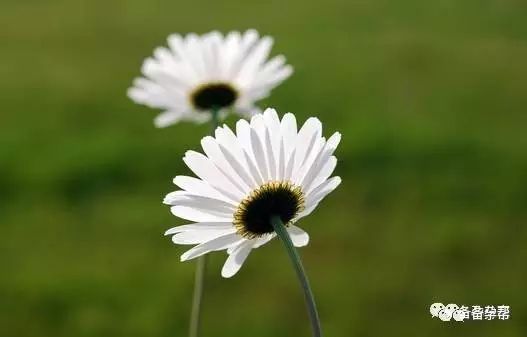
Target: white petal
[
  {"x": 254, "y": 60},
  {"x": 271, "y": 117},
  {"x": 315, "y": 196},
  {"x": 334, "y": 140},
  {"x": 200, "y": 236},
  {"x": 279, "y": 76},
  {"x": 299, "y": 237},
  {"x": 243, "y": 132},
  {"x": 274, "y": 137},
  {"x": 289, "y": 133},
  {"x": 233, "y": 152},
  {"x": 236, "y": 259},
  {"x": 259, "y": 154},
  {"x": 318, "y": 164},
  {"x": 223, "y": 242},
  {"x": 204, "y": 226},
  {"x": 154, "y": 95},
  {"x": 274, "y": 63},
  {"x": 214, "y": 153},
  {"x": 227, "y": 50},
  {"x": 265, "y": 81},
  {"x": 194, "y": 55},
  {"x": 310, "y": 163},
  {"x": 240, "y": 166},
  {"x": 324, "y": 173},
  {"x": 198, "y": 117},
  {"x": 249, "y": 38},
  {"x": 271, "y": 67},
  {"x": 199, "y": 187},
  {"x": 281, "y": 162},
  {"x": 167, "y": 118},
  {"x": 272, "y": 159},
  {"x": 254, "y": 170},
  {"x": 182, "y": 198},
  {"x": 247, "y": 42},
  {"x": 261, "y": 134},
  {"x": 199, "y": 215},
  {"x": 290, "y": 166},
  {"x": 263, "y": 240},
  {"x": 206, "y": 170},
  {"x": 162, "y": 72},
  {"x": 307, "y": 136}
]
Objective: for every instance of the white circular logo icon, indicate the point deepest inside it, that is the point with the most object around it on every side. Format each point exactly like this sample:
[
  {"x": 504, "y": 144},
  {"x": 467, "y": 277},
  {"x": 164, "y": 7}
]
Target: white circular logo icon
[
  {"x": 445, "y": 315},
  {"x": 458, "y": 315},
  {"x": 436, "y": 308}
]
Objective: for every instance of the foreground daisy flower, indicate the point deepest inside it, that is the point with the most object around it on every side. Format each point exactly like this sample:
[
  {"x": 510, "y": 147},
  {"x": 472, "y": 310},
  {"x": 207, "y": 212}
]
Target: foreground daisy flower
[
  {"x": 197, "y": 75},
  {"x": 266, "y": 169}
]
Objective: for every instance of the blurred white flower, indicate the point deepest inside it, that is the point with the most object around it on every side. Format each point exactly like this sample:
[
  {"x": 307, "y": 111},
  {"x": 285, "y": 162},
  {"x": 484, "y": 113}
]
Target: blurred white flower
[
  {"x": 267, "y": 168},
  {"x": 198, "y": 74}
]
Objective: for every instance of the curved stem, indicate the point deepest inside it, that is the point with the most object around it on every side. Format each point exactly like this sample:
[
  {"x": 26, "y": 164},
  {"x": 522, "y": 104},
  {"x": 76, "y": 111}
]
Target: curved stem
[
  {"x": 201, "y": 267},
  {"x": 282, "y": 233}
]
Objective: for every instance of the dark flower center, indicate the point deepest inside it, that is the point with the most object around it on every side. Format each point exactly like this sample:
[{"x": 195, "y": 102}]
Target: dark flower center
[
  {"x": 214, "y": 96},
  {"x": 253, "y": 216}
]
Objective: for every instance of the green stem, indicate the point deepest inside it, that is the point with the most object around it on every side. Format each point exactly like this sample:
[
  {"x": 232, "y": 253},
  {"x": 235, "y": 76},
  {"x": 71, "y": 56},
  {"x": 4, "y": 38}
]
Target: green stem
[
  {"x": 214, "y": 121},
  {"x": 201, "y": 267},
  {"x": 195, "y": 316},
  {"x": 282, "y": 233}
]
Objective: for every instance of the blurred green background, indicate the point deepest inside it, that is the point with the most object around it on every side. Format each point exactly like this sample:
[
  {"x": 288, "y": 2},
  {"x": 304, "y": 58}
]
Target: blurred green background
[{"x": 430, "y": 98}]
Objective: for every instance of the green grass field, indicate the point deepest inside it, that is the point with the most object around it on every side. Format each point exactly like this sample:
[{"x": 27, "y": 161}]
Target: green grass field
[{"x": 430, "y": 98}]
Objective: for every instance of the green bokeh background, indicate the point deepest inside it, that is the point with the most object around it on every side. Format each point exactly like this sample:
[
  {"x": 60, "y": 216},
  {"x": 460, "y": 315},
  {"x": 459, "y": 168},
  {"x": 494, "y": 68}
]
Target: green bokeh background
[{"x": 430, "y": 98}]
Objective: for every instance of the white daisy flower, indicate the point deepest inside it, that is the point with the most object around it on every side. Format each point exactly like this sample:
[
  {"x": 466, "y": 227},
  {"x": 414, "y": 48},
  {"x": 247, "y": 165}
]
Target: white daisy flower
[
  {"x": 198, "y": 74},
  {"x": 266, "y": 169}
]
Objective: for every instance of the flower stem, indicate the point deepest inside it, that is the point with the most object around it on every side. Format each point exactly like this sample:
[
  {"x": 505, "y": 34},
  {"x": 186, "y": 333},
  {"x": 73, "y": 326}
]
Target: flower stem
[
  {"x": 282, "y": 233},
  {"x": 201, "y": 267},
  {"x": 214, "y": 121},
  {"x": 195, "y": 316}
]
